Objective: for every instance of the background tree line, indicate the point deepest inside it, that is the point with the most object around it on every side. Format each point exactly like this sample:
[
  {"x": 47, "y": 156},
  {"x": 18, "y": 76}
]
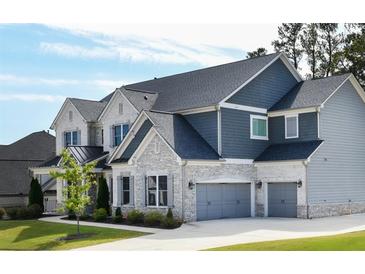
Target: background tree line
[{"x": 326, "y": 48}]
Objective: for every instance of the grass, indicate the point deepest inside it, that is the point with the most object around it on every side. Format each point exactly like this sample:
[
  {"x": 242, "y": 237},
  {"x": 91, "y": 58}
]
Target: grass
[
  {"x": 354, "y": 241},
  {"x": 38, "y": 235}
]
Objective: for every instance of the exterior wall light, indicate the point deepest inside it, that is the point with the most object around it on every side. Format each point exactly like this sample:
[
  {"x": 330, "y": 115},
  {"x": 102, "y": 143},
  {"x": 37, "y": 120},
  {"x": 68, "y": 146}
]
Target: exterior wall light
[
  {"x": 191, "y": 184},
  {"x": 259, "y": 184},
  {"x": 299, "y": 183}
]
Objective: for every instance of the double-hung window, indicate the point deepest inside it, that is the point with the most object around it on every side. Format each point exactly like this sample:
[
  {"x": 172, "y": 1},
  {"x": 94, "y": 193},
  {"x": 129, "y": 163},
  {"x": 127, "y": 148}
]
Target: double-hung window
[
  {"x": 291, "y": 127},
  {"x": 72, "y": 138},
  {"x": 119, "y": 132},
  {"x": 157, "y": 190},
  {"x": 126, "y": 190},
  {"x": 259, "y": 128}
]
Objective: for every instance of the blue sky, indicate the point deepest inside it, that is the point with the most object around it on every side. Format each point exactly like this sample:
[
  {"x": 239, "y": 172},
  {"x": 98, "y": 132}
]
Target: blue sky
[{"x": 42, "y": 65}]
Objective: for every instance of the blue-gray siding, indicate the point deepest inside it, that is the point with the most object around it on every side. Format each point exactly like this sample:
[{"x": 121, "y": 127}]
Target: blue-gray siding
[
  {"x": 336, "y": 172},
  {"x": 267, "y": 88},
  {"x": 307, "y": 128},
  {"x": 236, "y": 140},
  {"x": 206, "y": 125}
]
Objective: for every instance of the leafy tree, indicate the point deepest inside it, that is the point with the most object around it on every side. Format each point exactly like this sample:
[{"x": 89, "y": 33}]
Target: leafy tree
[
  {"x": 256, "y": 53},
  {"x": 289, "y": 42},
  {"x": 352, "y": 57},
  {"x": 35, "y": 194},
  {"x": 331, "y": 42},
  {"x": 102, "y": 200},
  {"x": 310, "y": 43},
  {"x": 80, "y": 179}
]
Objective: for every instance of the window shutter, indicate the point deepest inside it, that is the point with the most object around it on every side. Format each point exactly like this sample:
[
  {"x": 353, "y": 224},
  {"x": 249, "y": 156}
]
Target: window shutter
[
  {"x": 111, "y": 141},
  {"x": 131, "y": 190},
  {"x": 119, "y": 190},
  {"x": 79, "y": 137},
  {"x": 145, "y": 191},
  {"x": 111, "y": 189},
  {"x": 170, "y": 191}
]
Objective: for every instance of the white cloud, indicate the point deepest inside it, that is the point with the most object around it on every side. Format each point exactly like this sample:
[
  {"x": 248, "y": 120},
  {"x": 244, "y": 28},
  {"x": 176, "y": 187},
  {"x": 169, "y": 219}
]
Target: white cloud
[
  {"x": 176, "y": 44},
  {"x": 32, "y": 97}
]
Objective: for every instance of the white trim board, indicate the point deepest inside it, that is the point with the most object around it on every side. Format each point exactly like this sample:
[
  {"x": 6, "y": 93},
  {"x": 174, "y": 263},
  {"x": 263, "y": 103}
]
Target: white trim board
[
  {"x": 197, "y": 110},
  {"x": 225, "y": 181},
  {"x": 243, "y": 108},
  {"x": 296, "y": 116}
]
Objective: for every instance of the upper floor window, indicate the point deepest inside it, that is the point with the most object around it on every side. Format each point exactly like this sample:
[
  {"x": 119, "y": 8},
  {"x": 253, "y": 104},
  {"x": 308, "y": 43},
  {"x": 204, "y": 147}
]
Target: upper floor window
[
  {"x": 72, "y": 138},
  {"x": 70, "y": 114},
  {"x": 119, "y": 132},
  {"x": 120, "y": 108},
  {"x": 259, "y": 128},
  {"x": 291, "y": 127}
]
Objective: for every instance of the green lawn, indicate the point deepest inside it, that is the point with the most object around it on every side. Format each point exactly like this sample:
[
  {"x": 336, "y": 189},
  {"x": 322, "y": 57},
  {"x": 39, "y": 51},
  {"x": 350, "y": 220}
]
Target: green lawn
[
  {"x": 354, "y": 241},
  {"x": 38, "y": 235}
]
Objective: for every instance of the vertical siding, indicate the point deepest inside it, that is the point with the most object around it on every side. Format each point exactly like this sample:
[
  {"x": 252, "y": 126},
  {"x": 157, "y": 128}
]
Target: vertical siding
[
  {"x": 336, "y": 173},
  {"x": 206, "y": 125},
  {"x": 236, "y": 142},
  {"x": 307, "y": 128},
  {"x": 267, "y": 88}
]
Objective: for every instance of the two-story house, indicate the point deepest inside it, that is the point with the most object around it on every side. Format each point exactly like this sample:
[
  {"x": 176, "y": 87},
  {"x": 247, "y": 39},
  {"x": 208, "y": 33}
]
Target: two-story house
[{"x": 249, "y": 138}]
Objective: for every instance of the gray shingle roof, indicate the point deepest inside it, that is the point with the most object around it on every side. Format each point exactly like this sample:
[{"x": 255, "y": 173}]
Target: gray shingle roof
[
  {"x": 202, "y": 87},
  {"x": 182, "y": 137},
  {"x": 18, "y": 157},
  {"x": 89, "y": 109},
  {"x": 310, "y": 93},
  {"x": 290, "y": 151},
  {"x": 140, "y": 100}
]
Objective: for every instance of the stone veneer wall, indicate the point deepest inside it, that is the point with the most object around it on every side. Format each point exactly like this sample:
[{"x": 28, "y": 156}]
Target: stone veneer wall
[{"x": 330, "y": 209}]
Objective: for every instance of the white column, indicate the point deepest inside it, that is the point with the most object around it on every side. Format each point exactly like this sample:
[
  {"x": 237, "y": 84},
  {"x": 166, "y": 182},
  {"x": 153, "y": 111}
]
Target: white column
[
  {"x": 253, "y": 200},
  {"x": 266, "y": 200}
]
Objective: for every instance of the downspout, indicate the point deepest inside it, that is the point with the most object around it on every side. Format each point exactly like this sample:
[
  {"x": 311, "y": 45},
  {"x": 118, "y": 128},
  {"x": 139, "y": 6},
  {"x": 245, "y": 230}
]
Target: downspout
[{"x": 183, "y": 165}]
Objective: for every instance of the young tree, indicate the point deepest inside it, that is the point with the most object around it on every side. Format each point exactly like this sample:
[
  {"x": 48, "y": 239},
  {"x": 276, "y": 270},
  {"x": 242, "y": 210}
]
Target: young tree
[
  {"x": 256, "y": 53},
  {"x": 331, "y": 42},
  {"x": 310, "y": 43},
  {"x": 80, "y": 179},
  {"x": 289, "y": 41},
  {"x": 102, "y": 200},
  {"x": 35, "y": 194}
]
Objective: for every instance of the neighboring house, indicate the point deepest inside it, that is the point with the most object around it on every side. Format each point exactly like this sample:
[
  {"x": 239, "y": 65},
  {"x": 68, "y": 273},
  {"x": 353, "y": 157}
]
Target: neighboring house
[
  {"x": 15, "y": 161},
  {"x": 249, "y": 138}
]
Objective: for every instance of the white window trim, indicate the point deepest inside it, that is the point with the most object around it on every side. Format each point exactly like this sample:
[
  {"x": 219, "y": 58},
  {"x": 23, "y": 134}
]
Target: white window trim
[
  {"x": 157, "y": 190},
  {"x": 255, "y": 137},
  {"x": 286, "y": 129}
]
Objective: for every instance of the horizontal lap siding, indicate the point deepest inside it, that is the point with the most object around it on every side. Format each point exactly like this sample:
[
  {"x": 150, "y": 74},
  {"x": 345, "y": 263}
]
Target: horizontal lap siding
[
  {"x": 267, "y": 88},
  {"x": 206, "y": 125},
  {"x": 307, "y": 128},
  {"x": 341, "y": 177},
  {"x": 236, "y": 142}
]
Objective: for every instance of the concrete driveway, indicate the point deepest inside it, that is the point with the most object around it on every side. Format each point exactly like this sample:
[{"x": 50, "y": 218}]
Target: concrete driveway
[{"x": 208, "y": 234}]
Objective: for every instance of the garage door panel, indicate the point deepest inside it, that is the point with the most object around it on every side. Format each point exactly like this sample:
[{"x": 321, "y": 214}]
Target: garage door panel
[
  {"x": 282, "y": 199},
  {"x": 215, "y": 201}
]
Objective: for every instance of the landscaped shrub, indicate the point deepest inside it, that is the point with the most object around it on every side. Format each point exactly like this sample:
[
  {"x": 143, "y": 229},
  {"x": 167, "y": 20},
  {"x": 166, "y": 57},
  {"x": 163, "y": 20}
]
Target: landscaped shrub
[
  {"x": 100, "y": 215},
  {"x": 135, "y": 217},
  {"x": 102, "y": 200},
  {"x": 153, "y": 218},
  {"x": 71, "y": 215},
  {"x": 34, "y": 211},
  {"x": 2, "y": 213},
  {"x": 84, "y": 217},
  {"x": 22, "y": 213},
  {"x": 35, "y": 194},
  {"x": 169, "y": 221},
  {"x": 11, "y": 212},
  {"x": 118, "y": 216}
]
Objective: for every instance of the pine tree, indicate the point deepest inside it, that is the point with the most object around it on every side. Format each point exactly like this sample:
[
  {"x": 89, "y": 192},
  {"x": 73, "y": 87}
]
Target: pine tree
[
  {"x": 310, "y": 43},
  {"x": 35, "y": 194},
  {"x": 256, "y": 53},
  {"x": 102, "y": 200}
]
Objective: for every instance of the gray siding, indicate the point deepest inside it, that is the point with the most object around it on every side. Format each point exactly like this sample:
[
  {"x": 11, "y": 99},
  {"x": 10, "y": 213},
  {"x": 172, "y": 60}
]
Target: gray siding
[
  {"x": 336, "y": 173},
  {"x": 267, "y": 88},
  {"x": 307, "y": 128},
  {"x": 206, "y": 125},
  {"x": 236, "y": 142}
]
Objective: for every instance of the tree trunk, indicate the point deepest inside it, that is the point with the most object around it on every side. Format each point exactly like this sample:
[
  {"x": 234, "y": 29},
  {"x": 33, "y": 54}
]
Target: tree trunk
[{"x": 78, "y": 224}]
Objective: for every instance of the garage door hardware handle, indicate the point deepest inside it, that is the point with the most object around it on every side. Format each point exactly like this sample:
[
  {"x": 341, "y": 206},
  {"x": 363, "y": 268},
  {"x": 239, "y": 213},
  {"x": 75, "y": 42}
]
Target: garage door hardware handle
[
  {"x": 238, "y": 201},
  {"x": 209, "y": 203},
  {"x": 283, "y": 201}
]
